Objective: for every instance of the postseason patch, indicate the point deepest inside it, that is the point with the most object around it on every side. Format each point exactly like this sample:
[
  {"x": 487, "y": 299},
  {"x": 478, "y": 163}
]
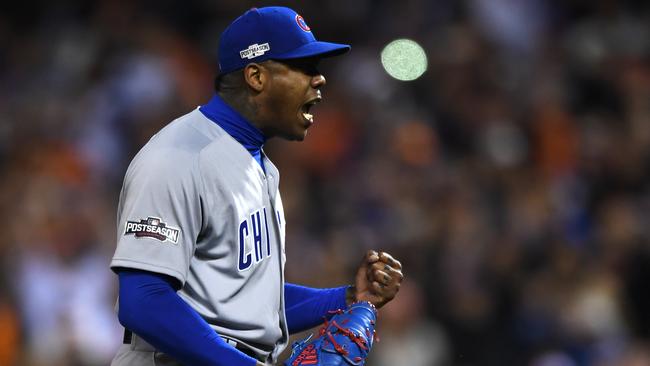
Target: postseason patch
[
  {"x": 152, "y": 227},
  {"x": 254, "y": 50}
]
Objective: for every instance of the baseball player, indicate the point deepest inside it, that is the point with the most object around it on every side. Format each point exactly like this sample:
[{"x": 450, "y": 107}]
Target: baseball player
[{"x": 200, "y": 251}]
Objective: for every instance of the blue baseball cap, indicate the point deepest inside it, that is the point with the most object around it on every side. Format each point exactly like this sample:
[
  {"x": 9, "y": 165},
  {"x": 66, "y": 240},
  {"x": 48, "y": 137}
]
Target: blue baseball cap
[{"x": 267, "y": 33}]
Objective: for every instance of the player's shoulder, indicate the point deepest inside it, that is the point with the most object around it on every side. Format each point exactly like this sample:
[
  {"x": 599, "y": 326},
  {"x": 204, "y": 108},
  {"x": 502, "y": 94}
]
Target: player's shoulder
[
  {"x": 185, "y": 138},
  {"x": 176, "y": 148},
  {"x": 189, "y": 133}
]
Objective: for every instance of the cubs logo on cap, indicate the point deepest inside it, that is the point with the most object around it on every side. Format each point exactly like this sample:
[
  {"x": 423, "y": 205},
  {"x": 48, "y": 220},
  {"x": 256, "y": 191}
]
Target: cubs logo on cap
[
  {"x": 301, "y": 23},
  {"x": 270, "y": 33}
]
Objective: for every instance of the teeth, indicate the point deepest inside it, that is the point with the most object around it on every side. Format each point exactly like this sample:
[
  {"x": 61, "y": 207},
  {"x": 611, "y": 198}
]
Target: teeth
[{"x": 308, "y": 116}]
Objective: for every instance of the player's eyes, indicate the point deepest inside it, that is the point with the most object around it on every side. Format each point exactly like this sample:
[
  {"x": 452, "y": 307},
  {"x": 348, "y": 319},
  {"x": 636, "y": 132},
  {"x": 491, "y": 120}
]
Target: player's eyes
[{"x": 307, "y": 66}]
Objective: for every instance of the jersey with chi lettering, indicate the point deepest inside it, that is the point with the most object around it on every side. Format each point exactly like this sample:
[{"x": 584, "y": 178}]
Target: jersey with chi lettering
[{"x": 196, "y": 206}]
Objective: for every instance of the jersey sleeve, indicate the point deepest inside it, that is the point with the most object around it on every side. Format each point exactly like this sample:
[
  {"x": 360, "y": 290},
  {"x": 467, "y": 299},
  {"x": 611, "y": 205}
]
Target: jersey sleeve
[
  {"x": 306, "y": 307},
  {"x": 150, "y": 307},
  {"x": 159, "y": 213}
]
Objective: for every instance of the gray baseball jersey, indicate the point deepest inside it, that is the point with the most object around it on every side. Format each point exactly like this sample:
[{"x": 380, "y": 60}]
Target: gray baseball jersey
[{"x": 196, "y": 206}]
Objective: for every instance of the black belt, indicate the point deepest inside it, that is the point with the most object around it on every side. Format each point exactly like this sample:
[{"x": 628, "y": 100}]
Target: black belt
[{"x": 128, "y": 337}]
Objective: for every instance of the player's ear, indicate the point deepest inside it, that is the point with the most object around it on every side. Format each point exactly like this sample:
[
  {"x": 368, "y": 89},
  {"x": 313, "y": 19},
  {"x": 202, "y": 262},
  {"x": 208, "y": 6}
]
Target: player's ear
[{"x": 255, "y": 77}]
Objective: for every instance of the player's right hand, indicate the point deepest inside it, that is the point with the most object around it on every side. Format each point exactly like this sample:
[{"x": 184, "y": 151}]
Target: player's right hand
[{"x": 378, "y": 278}]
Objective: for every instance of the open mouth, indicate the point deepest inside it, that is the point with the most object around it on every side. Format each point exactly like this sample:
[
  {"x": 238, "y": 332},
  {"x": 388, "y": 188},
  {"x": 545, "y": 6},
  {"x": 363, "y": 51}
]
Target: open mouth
[{"x": 307, "y": 107}]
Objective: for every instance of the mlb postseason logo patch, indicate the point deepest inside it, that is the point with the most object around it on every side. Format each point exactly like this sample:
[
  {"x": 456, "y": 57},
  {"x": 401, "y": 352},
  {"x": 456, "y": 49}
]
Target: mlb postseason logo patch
[
  {"x": 254, "y": 50},
  {"x": 152, "y": 227}
]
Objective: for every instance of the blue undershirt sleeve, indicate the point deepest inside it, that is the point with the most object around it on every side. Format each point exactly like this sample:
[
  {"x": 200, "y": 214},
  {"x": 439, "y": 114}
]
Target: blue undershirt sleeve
[
  {"x": 306, "y": 307},
  {"x": 150, "y": 307}
]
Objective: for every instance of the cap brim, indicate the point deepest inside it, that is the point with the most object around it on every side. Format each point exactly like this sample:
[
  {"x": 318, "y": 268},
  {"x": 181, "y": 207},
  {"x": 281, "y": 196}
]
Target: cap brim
[{"x": 312, "y": 49}]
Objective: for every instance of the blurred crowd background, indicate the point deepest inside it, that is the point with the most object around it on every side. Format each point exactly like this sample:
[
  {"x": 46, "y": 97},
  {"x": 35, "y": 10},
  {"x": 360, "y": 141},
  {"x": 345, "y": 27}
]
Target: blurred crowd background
[{"x": 512, "y": 179}]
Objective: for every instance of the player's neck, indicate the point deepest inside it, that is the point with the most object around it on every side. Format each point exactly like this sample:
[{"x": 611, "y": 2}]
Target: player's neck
[{"x": 243, "y": 106}]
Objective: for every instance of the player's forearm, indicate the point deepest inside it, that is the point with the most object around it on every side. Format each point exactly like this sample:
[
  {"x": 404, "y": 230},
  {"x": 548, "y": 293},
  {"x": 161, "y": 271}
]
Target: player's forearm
[
  {"x": 306, "y": 306},
  {"x": 150, "y": 307}
]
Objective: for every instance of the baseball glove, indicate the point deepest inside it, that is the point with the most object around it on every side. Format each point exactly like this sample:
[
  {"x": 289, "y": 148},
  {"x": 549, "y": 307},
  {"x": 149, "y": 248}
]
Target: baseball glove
[{"x": 344, "y": 340}]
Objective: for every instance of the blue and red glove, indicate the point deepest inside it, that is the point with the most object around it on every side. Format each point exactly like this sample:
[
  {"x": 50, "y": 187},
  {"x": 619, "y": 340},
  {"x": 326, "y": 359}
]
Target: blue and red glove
[{"x": 346, "y": 339}]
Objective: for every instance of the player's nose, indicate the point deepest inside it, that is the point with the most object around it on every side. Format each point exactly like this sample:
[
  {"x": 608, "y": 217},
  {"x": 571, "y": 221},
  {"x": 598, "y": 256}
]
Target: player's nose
[{"x": 318, "y": 81}]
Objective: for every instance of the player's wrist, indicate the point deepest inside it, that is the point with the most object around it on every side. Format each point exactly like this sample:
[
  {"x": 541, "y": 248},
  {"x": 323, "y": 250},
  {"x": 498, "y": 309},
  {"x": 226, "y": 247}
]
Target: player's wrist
[{"x": 350, "y": 295}]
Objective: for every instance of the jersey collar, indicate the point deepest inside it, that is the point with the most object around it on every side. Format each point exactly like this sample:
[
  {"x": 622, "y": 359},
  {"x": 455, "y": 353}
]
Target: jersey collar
[{"x": 219, "y": 112}]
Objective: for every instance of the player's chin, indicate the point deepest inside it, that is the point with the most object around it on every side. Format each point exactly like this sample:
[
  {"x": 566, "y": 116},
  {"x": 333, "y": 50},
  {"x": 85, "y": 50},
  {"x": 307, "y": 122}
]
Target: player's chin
[
  {"x": 294, "y": 136},
  {"x": 298, "y": 134}
]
